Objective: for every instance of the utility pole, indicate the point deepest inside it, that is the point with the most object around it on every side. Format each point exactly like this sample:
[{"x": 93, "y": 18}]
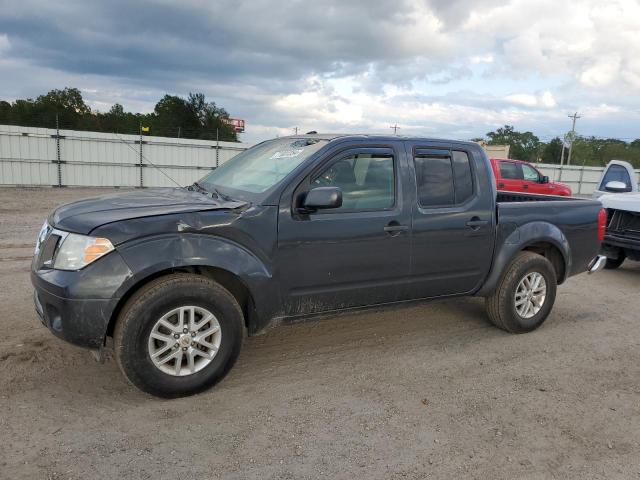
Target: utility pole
[
  {"x": 58, "y": 158},
  {"x": 295, "y": 129},
  {"x": 395, "y": 128},
  {"x": 217, "y": 147},
  {"x": 575, "y": 116},
  {"x": 141, "y": 157}
]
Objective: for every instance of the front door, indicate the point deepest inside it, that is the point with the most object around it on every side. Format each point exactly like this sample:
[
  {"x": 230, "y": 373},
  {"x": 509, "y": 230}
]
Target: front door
[
  {"x": 358, "y": 254},
  {"x": 453, "y": 220},
  {"x": 533, "y": 181}
]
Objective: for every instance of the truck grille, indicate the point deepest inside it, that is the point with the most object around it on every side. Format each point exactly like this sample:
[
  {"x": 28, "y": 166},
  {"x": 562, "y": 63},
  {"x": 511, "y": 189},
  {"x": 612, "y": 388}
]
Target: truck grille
[{"x": 623, "y": 224}]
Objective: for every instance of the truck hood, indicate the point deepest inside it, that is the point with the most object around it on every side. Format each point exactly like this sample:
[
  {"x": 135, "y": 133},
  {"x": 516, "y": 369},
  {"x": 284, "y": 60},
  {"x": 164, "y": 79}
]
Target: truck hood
[
  {"x": 622, "y": 201},
  {"x": 85, "y": 215}
]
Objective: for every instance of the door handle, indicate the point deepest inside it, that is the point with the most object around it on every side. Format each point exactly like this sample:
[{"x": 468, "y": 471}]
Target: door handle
[
  {"x": 525, "y": 186},
  {"x": 475, "y": 223},
  {"x": 394, "y": 228},
  {"x": 501, "y": 185}
]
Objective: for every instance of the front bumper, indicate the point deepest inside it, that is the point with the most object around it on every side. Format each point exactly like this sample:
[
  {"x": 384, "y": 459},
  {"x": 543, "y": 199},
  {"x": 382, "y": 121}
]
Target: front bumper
[
  {"x": 78, "y": 306},
  {"x": 81, "y": 322}
]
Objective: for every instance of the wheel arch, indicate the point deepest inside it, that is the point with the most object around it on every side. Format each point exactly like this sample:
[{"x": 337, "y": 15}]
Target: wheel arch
[
  {"x": 552, "y": 253},
  {"x": 230, "y": 281},
  {"x": 246, "y": 275},
  {"x": 542, "y": 238}
]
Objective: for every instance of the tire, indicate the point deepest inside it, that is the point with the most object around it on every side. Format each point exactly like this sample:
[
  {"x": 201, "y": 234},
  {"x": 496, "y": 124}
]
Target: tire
[
  {"x": 613, "y": 263},
  {"x": 501, "y": 305},
  {"x": 178, "y": 298}
]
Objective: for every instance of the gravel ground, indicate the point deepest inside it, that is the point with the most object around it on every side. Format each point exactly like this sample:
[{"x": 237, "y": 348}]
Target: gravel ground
[{"x": 428, "y": 391}]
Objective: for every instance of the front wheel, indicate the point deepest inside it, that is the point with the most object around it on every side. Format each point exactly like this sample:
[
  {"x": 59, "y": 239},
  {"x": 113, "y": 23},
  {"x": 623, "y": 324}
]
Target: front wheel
[
  {"x": 178, "y": 335},
  {"x": 525, "y": 295}
]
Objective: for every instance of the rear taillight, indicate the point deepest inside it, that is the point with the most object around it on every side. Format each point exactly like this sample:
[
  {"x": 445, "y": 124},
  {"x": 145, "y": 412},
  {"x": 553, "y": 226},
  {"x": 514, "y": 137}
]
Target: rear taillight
[{"x": 602, "y": 224}]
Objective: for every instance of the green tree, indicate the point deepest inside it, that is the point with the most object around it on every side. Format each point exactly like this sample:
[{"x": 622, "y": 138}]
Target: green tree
[
  {"x": 523, "y": 145},
  {"x": 551, "y": 151},
  {"x": 5, "y": 112},
  {"x": 173, "y": 116},
  {"x": 211, "y": 117},
  {"x": 68, "y": 100}
]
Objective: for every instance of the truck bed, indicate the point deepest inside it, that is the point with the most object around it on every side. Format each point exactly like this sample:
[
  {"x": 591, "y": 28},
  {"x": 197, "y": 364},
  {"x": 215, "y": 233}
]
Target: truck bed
[{"x": 575, "y": 217}]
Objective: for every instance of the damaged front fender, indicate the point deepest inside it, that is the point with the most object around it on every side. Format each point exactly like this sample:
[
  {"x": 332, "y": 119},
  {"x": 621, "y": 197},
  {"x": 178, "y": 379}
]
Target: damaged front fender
[{"x": 147, "y": 257}]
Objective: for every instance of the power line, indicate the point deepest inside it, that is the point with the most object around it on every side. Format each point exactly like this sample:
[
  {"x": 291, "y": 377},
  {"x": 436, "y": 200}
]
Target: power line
[{"x": 143, "y": 157}]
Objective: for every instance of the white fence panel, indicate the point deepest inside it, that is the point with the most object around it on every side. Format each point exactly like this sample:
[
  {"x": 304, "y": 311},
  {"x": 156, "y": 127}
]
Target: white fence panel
[{"x": 29, "y": 156}]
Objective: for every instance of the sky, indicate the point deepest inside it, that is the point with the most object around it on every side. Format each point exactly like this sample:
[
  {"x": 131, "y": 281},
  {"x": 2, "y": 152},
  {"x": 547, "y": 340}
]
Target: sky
[{"x": 440, "y": 68}]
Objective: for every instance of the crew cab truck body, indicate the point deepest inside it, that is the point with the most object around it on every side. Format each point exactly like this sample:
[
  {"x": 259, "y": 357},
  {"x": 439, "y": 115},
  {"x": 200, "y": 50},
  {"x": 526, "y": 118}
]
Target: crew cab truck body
[
  {"x": 295, "y": 227},
  {"x": 518, "y": 176}
]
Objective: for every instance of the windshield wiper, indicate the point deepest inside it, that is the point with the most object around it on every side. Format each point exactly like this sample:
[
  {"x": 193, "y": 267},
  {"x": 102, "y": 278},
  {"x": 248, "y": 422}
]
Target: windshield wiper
[
  {"x": 195, "y": 186},
  {"x": 214, "y": 192},
  {"x": 221, "y": 196}
]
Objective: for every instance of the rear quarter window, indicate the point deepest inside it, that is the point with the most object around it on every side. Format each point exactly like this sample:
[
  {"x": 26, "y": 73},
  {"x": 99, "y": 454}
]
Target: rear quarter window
[{"x": 463, "y": 176}]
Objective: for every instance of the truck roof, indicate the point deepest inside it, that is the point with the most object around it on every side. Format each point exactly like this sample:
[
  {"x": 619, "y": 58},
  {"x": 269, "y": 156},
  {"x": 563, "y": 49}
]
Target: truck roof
[{"x": 376, "y": 137}]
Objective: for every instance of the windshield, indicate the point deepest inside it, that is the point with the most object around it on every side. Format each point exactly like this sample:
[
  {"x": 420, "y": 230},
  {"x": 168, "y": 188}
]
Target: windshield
[{"x": 259, "y": 168}]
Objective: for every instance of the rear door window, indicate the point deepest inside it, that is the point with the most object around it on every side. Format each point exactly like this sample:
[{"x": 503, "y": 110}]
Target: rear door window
[
  {"x": 511, "y": 171},
  {"x": 434, "y": 176},
  {"x": 443, "y": 179}
]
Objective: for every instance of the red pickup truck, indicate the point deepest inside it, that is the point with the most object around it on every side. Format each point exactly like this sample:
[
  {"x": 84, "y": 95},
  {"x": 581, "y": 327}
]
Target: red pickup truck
[{"x": 519, "y": 176}]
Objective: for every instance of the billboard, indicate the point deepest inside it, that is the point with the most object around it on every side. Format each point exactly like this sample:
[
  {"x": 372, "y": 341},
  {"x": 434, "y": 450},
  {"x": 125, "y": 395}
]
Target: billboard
[{"x": 236, "y": 123}]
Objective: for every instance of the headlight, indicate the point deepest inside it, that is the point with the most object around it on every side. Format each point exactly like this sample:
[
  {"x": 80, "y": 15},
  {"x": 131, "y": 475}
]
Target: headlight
[{"x": 78, "y": 251}]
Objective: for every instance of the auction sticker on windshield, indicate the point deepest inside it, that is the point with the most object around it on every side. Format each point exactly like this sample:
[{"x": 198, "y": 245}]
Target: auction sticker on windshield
[{"x": 287, "y": 153}]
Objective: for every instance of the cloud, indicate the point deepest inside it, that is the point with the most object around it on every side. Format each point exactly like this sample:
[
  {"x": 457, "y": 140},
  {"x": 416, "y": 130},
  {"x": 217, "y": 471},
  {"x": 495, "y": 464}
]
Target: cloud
[
  {"x": 439, "y": 66},
  {"x": 602, "y": 73},
  {"x": 545, "y": 99},
  {"x": 4, "y": 43}
]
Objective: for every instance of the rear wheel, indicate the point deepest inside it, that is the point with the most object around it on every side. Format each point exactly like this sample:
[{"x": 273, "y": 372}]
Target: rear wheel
[
  {"x": 178, "y": 335},
  {"x": 525, "y": 295},
  {"x": 613, "y": 263}
]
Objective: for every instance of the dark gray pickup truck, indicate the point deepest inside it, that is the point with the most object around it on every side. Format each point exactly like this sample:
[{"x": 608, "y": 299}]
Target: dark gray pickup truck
[{"x": 296, "y": 227}]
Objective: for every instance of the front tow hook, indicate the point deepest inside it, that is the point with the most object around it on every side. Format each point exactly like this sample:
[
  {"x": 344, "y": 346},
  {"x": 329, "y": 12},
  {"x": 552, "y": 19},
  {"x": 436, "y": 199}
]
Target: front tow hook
[{"x": 597, "y": 264}]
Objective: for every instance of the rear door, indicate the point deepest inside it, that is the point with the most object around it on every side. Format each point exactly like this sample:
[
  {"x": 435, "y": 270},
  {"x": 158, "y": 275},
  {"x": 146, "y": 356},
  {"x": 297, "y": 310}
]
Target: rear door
[
  {"x": 512, "y": 179},
  {"x": 452, "y": 219}
]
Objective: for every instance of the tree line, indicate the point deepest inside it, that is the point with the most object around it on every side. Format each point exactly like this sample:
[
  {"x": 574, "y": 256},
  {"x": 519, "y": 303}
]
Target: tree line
[
  {"x": 195, "y": 117},
  {"x": 173, "y": 116},
  {"x": 591, "y": 151}
]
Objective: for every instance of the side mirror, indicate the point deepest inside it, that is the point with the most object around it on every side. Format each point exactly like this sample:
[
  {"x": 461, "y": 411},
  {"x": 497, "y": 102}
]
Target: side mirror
[
  {"x": 322, "y": 198},
  {"x": 544, "y": 179},
  {"x": 616, "y": 187}
]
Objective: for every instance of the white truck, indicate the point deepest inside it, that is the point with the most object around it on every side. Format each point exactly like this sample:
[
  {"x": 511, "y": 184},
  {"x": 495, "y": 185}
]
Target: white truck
[{"x": 618, "y": 192}]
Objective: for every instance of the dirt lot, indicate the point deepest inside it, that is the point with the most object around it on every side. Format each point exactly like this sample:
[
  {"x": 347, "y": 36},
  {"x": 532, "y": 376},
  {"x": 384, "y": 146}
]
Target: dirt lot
[{"x": 429, "y": 391}]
